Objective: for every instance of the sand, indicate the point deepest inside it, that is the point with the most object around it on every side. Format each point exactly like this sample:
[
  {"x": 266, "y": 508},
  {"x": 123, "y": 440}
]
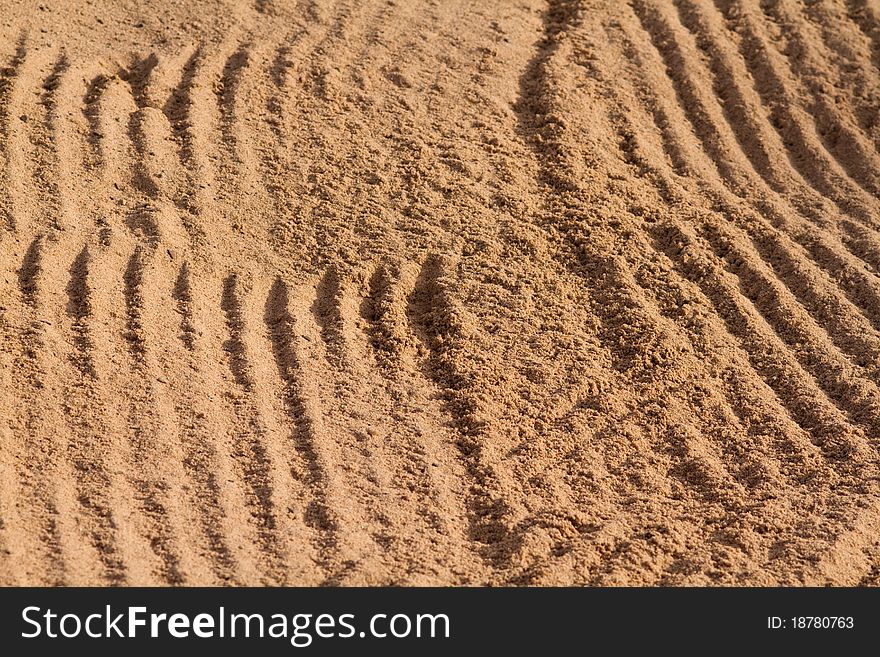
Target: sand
[{"x": 507, "y": 292}]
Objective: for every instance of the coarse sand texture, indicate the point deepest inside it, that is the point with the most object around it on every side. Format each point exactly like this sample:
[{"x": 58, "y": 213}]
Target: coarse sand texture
[{"x": 450, "y": 292}]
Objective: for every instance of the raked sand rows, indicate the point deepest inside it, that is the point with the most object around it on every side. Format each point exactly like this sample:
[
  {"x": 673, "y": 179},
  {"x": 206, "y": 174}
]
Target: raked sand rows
[{"x": 566, "y": 292}]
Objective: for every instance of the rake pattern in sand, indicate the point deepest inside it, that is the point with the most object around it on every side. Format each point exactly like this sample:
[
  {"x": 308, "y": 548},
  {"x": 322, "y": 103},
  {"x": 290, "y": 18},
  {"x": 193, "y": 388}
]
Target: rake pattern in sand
[{"x": 571, "y": 292}]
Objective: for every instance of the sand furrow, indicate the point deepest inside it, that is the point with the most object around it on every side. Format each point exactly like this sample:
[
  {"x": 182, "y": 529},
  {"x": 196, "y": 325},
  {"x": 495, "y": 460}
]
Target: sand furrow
[
  {"x": 769, "y": 355},
  {"x": 201, "y": 434},
  {"x": 331, "y": 302},
  {"x": 250, "y": 435},
  {"x": 151, "y": 435},
  {"x": 214, "y": 447},
  {"x": 766, "y": 151},
  {"x": 42, "y": 156},
  {"x": 421, "y": 462},
  {"x": 128, "y": 231},
  {"x": 70, "y": 274},
  {"x": 648, "y": 349},
  {"x": 760, "y": 143},
  {"x": 797, "y": 129},
  {"x": 9, "y": 128},
  {"x": 97, "y": 85},
  {"x": 632, "y": 157},
  {"x": 443, "y": 328},
  {"x": 851, "y": 54},
  {"x": 180, "y": 435},
  {"x": 825, "y": 249},
  {"x": 20, "y": 545},
  {"x": 236, "y": 68},
  {"x": 194, "y": 115},
  {"x": 24, "y": 113},
  {"x": 329, "y": 455},
  {"x": 165, "y": 506},
  {"x": 624, "y": 313},
  {"x": 826, "y": 314},
  {"x": 664, "y": 240},
  {"x": 856, "y": 394},
  {"x": 81, "y": 480},
  {"x": 866, "y": 15},
  {"x": 48, "y": 489},
  {"x": 809, "y": 76},
  {"x": 295, "y": 497},
  {"x": 368, "y": 472},
  {"x": 775, "y": 247},
  {"x": 102, "y": 496},
  {"x": 184, "y": 110}
]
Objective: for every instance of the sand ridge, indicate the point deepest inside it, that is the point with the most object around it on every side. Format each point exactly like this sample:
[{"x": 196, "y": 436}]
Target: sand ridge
[{"x": 336, "y": 292}]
